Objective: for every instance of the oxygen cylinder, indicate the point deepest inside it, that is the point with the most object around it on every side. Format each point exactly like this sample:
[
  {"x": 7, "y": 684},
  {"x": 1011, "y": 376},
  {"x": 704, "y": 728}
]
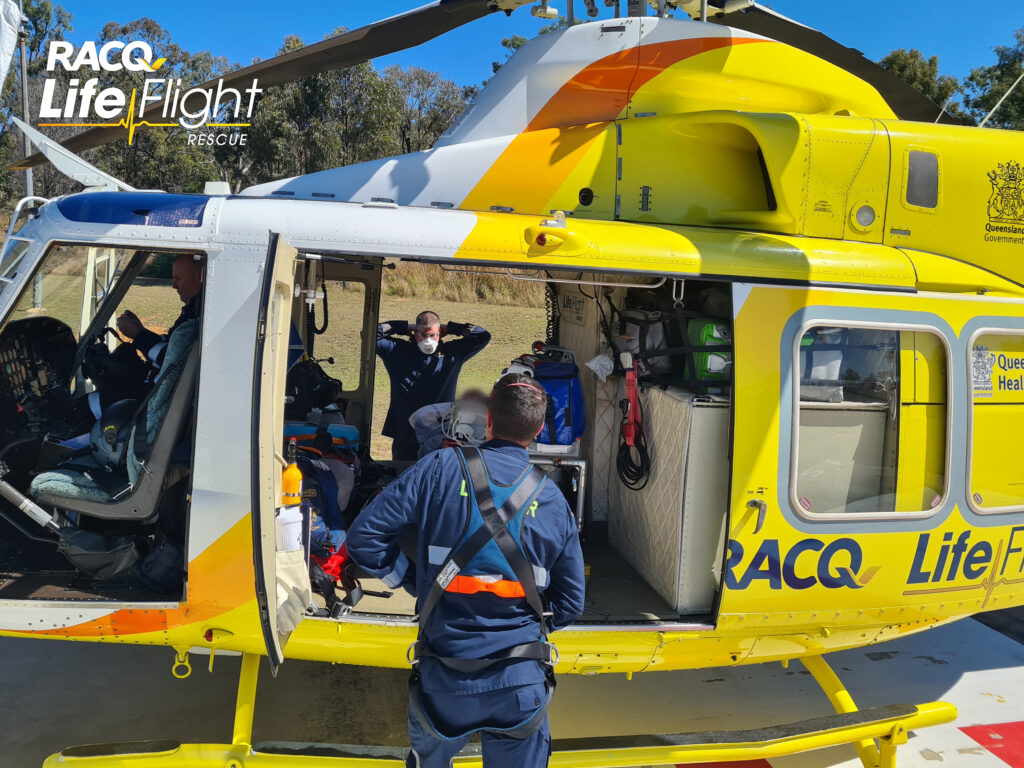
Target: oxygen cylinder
[{"x": 289, "y": 516}]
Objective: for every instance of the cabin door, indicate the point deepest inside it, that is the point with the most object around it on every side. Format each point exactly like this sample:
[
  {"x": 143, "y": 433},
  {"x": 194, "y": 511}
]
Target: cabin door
[{"x": 269, "y": 370}]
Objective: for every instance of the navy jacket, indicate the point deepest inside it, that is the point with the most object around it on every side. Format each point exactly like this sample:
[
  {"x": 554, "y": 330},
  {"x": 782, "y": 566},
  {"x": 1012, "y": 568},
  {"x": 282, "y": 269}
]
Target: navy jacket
[
  {"x": 428, "y": 496},
  {"x": 418, "y": 379}
]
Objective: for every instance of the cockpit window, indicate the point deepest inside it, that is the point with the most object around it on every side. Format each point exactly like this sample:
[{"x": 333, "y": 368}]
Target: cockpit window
[
  {"x": 13, "y": 252},
  {"x": 56, "y": 290}
]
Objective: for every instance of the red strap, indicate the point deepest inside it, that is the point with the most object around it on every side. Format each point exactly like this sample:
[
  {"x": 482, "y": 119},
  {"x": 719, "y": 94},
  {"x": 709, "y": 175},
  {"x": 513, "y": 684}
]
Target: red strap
[
  {"x": 631, "y": 424},
  {"x": 470, "y": 585}
]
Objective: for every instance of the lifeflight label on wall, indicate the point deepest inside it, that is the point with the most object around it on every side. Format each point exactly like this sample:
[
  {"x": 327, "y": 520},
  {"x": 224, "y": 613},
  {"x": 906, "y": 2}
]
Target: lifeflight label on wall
[{"x": 997, "y": 369}]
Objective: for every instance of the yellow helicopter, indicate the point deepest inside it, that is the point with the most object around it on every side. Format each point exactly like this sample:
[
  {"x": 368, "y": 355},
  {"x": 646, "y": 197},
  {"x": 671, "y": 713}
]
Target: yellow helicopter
[{"x": 808, "y": 308}]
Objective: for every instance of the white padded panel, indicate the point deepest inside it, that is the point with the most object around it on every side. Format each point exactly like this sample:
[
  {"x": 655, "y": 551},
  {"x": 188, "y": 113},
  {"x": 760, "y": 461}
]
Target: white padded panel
[
  {"x": 645, "y": 526},
  {"x": 672, "y": 531}
]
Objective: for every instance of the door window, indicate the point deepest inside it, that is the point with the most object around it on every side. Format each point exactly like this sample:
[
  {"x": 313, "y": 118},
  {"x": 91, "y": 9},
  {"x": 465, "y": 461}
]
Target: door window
[{"x": 871, "y": 422}]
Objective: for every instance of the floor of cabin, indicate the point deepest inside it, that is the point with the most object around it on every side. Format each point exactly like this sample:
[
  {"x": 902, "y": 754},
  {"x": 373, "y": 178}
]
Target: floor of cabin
[
  {"x": 71, "y": 585},
  {"x": 35, "y": 570},
  {"x": 615, "y": 593}
]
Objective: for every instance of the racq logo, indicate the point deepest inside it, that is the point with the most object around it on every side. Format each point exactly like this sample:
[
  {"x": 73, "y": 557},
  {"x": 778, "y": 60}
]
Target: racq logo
[{"x": 165, "y": 97}]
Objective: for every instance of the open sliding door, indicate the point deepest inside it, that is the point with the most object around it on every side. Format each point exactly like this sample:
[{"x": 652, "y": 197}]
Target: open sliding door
[{"x": 268, "y": 400}]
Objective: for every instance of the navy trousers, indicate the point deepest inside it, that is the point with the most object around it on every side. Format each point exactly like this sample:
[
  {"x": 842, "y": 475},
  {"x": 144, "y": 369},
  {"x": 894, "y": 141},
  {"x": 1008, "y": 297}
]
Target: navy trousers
[
  {"x": 405, "y": 447},
  {"x": 458, "y": 713}
]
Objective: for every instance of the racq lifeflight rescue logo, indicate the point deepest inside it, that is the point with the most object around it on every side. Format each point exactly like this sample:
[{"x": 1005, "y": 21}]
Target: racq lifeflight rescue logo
[
  {"x": 1006, "y": 205},
  {"x": 162, "y": 99}
]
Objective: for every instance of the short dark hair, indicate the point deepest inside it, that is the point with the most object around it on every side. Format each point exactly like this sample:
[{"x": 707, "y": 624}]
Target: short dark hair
[
  {"x": 428, "y": 318},
  {"x": 518, "y": 405}
]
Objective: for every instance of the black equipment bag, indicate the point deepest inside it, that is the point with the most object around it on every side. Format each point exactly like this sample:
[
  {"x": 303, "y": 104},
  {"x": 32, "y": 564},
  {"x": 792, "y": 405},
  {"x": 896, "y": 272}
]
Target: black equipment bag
[
  {"x": 309, "y": 387},
  {"x": 96, "y": 555}
]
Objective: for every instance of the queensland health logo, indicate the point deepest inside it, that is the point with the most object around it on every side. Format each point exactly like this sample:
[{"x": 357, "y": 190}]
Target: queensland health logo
[{"x": 164, "y": 102}]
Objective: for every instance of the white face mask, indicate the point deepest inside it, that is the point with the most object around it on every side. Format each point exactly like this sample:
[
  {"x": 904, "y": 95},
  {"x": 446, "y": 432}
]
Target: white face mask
[{"x": 428, "y": 346}]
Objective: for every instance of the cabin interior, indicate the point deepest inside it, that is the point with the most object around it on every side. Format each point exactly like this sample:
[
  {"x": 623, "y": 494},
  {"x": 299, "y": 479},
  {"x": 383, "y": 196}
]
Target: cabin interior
[{"x": 655, "y": 551}]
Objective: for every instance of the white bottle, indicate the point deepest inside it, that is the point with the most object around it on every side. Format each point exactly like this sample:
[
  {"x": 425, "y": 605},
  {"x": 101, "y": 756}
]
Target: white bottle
[{"x": 289, "y": 528}]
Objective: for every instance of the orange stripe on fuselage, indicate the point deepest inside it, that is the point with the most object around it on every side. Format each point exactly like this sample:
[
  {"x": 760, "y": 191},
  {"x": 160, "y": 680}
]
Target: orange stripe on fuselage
[
  {"x": 538, "y": 161},
  {"x": 221, "y": 578},
  {"x": 532, "y": 168},
  {"x": 601, "y": 91}
]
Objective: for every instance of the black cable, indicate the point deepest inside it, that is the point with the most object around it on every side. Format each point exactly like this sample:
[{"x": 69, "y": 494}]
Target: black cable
[{"x": 634, "y": 473}]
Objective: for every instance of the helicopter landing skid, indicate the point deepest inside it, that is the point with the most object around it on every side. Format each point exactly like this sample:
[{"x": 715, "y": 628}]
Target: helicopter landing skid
[{"x": 889, "y": 725}]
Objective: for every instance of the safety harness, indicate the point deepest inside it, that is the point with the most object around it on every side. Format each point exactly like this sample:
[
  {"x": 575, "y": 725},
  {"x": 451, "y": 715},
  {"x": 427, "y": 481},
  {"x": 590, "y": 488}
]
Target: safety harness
[{"x": 463, "y": 572}]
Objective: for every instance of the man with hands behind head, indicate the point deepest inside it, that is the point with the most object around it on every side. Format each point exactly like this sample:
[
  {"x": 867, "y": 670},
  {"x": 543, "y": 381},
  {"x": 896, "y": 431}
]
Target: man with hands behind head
[{"x": 423, "y": 370}]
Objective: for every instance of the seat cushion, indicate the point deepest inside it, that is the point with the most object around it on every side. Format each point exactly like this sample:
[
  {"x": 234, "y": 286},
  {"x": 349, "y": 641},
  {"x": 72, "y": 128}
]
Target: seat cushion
[{"x": 70, "y": 483}]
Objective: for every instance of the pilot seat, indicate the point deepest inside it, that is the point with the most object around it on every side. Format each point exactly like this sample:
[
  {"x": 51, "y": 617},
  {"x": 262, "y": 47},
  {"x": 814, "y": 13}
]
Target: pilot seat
[{"x": 131, "y": 492}]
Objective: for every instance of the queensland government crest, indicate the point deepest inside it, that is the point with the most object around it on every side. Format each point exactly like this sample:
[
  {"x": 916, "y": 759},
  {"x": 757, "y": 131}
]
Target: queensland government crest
[
  {"x": 1007, "y": 201},
  {"x": 982, "y": 362}
]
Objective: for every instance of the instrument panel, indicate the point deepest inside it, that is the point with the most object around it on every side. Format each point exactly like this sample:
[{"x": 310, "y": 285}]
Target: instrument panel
[{"x": 36, "y": 364}]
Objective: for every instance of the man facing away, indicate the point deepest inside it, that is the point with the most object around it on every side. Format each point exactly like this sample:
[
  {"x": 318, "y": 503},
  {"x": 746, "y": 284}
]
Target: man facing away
[
  {"x": 423, "y": 371},
  {"x": 498, "y": 566}
]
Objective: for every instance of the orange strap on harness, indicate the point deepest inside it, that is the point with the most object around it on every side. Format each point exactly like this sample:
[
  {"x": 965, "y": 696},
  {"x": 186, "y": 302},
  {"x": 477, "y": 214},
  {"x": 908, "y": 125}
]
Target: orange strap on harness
[{"x": 470, "y": 585}]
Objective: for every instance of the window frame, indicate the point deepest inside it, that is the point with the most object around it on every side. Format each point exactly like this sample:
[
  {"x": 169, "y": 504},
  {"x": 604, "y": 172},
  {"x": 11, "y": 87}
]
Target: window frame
[
  {"x": 794, "y": 425},
  {"x": 969, "y": 480},
  {"x": 363, "y": 313}
]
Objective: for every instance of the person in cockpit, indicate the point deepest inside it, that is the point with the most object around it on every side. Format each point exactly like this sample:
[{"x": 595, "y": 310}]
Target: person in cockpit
[{"x": 187, "y": 280}]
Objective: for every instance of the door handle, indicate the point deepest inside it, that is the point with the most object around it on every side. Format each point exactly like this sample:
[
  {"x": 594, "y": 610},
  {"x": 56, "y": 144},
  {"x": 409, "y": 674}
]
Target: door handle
[{"x": 762, "y": 509}]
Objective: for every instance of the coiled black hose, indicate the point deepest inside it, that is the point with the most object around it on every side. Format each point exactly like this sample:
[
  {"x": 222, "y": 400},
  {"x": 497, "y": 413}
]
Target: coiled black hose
[{"x": 634, "y": 472}]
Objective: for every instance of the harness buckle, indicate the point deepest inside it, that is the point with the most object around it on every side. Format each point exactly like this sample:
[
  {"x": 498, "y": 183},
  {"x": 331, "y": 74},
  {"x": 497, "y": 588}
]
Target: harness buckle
[
  {"x": 410, "y": 653},
  {"x": 554, "y": 652}
]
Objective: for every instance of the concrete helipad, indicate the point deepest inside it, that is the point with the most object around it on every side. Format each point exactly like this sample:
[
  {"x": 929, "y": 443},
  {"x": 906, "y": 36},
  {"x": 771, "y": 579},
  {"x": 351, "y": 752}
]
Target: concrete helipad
[{"x": 55, "y": 694}]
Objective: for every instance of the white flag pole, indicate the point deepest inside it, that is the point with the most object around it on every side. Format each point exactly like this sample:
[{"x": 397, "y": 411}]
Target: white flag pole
[
  {"x": 21, "y": 35},
  {"x": 1000, "y": 102}
]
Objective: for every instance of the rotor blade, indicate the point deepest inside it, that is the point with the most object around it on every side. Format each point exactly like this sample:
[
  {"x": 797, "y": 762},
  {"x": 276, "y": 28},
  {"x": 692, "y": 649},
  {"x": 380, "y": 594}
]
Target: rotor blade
[
  {"x": 904, "y": 99},
  {"x": 378, "y": 39}
]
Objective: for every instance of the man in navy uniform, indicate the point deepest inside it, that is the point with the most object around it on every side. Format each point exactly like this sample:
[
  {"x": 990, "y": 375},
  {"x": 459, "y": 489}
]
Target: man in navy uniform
[
  {"x": 498, "y": 566},
  {"x": 423, "y": 371}
]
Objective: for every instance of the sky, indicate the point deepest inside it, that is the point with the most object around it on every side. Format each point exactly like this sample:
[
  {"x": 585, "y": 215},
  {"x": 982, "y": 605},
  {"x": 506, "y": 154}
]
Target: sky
[{"x": 961, "y": 34}]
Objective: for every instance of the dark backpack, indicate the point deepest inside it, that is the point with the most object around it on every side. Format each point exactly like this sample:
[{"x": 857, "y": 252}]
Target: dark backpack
[{"x": 309, "y": 387}]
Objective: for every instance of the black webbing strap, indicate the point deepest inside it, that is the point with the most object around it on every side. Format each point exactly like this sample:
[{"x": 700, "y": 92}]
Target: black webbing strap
[
  {"x": 549, "y": 415},
  {"x": 109, "y": 481},
  {"x": 493, "y": 529},
  {"x": 495, "y": 521},
  {"x": 529, "y": 484},
  {"x": 535, "y": 650}
]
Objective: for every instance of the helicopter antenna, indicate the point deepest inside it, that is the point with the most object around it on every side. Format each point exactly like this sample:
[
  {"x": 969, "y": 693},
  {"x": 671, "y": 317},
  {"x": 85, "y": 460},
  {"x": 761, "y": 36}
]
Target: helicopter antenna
[
  {"x": 1000, "y": 102},
  {"x": 703, "y": 10},
  {"x": 70, "y": 164}
]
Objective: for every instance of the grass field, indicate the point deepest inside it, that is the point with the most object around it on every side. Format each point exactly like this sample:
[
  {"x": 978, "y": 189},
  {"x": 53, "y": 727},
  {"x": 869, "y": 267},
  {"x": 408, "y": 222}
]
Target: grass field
[{"x": 513, "y": 327}]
